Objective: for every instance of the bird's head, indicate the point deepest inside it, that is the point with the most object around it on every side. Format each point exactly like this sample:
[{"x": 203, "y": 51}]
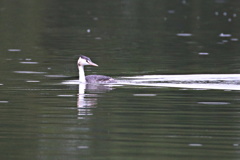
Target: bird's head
[{"x": 83, "y": 61}]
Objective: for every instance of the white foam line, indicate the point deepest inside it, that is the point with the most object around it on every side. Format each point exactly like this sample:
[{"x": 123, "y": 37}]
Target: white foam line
[
  {"x": 192, "y": 86},
  {"x": 193, "y": 81},
  {"x": 189, "y": 77}
]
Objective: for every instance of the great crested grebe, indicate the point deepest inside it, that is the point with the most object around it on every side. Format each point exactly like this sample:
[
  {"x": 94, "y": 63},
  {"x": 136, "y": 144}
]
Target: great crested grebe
[{"x": 83, "y": 61}]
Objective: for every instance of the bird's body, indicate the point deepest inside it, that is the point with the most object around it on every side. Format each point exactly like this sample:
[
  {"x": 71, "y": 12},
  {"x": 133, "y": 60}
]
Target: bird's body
[
  {"x": 99, "y": 79},
  {"x": 82, "y": 61}
]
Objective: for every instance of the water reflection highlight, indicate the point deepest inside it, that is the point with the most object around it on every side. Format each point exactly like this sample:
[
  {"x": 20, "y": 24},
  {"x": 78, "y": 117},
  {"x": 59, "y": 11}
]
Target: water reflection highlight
[{"x": 86, "y": 102}]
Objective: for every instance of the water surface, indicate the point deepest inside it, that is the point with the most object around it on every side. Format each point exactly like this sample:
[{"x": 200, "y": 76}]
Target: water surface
[{"x": 177, "y": 63}]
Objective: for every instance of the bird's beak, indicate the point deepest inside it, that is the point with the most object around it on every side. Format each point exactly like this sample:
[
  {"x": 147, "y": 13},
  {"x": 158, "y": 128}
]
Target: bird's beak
[{"x": 93, "y": 64}]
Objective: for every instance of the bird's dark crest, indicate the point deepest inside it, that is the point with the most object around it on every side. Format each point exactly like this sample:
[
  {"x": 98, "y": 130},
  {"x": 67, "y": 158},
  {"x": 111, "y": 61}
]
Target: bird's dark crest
[{"x": 85, "y": 57}]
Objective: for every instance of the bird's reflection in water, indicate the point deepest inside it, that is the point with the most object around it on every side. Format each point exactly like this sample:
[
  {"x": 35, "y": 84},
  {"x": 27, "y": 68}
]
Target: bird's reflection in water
[{"x": 86, "y": 102}]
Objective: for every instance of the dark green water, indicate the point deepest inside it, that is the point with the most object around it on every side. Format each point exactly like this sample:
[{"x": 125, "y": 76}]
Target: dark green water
[{"x": 42, "y": 118}]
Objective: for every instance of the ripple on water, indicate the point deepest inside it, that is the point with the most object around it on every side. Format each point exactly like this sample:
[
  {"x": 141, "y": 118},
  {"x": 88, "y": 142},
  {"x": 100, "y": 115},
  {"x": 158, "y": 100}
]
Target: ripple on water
[
  {"x": 145, "y": 95},
  {"x": 203, "y": 53},
  {"x": 32, "y": 81},
  {"x": 62, "y": 95},
  {"x": 23, "y": 62},
  {"x": 214, "y": 103},
  {"x": 56, "y": 76},
  {"x": 184, "y": 34},
  {"x": 234, "y": 39},
  {"x": 29, "y": 72},
  {"x": 195, "y": 145},
  {"x": 14, "y": 50},
  {"x": 3, "y": 101},
  {"x": 224, "y": 35}
]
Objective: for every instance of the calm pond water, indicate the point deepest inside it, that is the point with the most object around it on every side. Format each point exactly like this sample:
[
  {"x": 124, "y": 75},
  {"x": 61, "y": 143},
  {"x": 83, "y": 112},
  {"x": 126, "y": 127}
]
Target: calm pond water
[{"x": 177, "y": 63}]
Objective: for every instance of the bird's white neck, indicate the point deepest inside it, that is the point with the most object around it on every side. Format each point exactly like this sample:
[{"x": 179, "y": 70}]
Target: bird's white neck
[{"x": 82, "y": 78}]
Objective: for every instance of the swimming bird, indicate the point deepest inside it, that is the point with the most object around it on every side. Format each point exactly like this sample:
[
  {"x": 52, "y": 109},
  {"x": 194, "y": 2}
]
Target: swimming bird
[{"x": 83, "y": 61}]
